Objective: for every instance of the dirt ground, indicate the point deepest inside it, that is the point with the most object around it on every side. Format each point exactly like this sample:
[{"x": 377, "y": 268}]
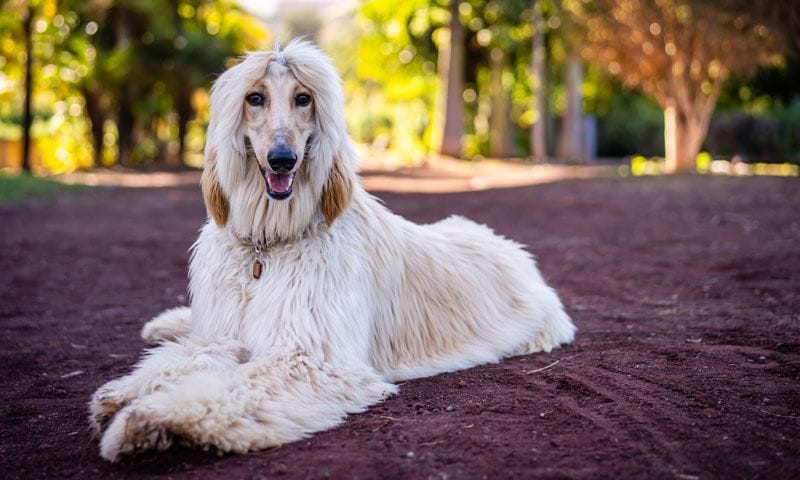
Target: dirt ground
[{"x": 685, "y": 290}]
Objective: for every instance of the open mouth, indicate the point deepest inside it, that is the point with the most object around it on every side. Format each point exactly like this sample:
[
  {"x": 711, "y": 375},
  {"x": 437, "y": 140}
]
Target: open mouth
[{"x": 279, "y": 185}]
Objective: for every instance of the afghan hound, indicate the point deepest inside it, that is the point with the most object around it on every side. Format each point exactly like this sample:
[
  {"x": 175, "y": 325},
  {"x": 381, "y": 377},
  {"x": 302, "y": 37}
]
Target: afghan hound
[{"x": 308, "y": 297}]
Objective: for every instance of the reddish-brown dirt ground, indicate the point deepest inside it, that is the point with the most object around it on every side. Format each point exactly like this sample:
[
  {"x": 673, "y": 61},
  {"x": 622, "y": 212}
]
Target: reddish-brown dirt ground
[{"x": 685, "y": 290}]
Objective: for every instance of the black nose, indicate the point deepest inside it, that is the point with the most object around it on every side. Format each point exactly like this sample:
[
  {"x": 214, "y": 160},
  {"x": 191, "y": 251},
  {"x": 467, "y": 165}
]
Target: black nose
[{"x": 281, "y": 158}]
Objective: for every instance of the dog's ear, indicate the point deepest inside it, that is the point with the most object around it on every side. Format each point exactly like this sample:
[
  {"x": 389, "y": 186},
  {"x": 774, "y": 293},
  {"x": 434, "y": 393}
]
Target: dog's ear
[
  {"x": 215, "y": 200},
  {"x": 337, "y": 193}
]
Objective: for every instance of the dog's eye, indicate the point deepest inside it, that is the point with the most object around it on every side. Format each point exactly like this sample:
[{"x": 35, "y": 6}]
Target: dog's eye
[
  {"x": 255, "y": 99},
  {"x": 302, "y": 99}
]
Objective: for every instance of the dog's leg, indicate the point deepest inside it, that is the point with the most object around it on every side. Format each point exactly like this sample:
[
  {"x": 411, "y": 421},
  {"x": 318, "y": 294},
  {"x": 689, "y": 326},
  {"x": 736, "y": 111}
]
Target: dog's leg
[
  {"x": 263, "y": 404},
  {"x": 168, "y": 325},
  {"x": 160, "y": 367}
]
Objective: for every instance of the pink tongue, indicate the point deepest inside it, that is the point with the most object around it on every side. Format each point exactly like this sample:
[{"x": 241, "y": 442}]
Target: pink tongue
[{"x": 279, "y": 182}]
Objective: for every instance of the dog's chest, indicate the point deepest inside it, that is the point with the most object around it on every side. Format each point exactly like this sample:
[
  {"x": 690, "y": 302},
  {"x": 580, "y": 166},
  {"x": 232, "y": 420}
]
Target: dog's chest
[
  {"x": 228, "y": 300},
  {"x": 310, "y": 295}
]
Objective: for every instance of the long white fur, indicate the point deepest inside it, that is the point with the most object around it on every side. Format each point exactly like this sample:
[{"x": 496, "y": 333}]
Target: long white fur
[{"x": 340, "y": 310}]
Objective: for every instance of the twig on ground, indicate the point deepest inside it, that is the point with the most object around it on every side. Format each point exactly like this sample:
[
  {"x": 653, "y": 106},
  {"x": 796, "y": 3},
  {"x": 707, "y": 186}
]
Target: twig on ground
[
  {"x": 429, "y": 444},
  {"x": 684, "y": 476},
  {"x": 543, "y": 368},
  {"x": 777, "y": 415}
]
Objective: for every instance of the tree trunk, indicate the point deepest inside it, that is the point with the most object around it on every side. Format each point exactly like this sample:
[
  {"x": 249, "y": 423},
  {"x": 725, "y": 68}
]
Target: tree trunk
[
  {"x": 498, "y": 120},
  {"x": 538, "y": 138},
  {"x": 125, "y": 119},
  {"x": 94, "y": 112},
  {"x": 570, "y": 145},
  {"x": 125, "y": 123},
  {"x": 181, "y": 98},
  {"x": 183, "y": 103},
  {"x": 27, "y": 119},
  {"x": 683, "y": 136},
  {"x": 454, "y": 107}
]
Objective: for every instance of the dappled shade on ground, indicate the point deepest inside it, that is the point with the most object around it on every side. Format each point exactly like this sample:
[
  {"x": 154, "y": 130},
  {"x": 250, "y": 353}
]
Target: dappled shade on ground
[{"x": 685, "y": 290}]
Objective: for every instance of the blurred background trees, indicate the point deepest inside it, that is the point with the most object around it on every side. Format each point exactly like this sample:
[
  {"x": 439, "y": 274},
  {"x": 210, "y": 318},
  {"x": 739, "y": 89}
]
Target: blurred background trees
[
  {"x": 125, "y": 82},
  {"x": 118, "y": 81},
  {"x": 679, "y": 53},
  {"x": 597, "y": 77}
]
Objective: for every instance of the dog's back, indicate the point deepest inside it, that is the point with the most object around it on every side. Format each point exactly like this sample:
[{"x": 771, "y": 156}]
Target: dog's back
[{"x": 452, "y": 295}]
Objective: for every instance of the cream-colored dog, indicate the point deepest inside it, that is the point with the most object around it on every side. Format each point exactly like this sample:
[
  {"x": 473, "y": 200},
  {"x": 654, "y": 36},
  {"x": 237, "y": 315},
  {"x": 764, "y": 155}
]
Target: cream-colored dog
[{"x": 308, "y": 297}]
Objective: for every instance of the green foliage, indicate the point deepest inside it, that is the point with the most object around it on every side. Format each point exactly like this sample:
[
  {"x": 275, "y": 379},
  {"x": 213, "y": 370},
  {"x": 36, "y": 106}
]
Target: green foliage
[
  {"x": 399, "y": 59},
  {"x": 632, "y": 124},
  {"x": 768, "y": 136},
  {"x": 396, "y": 72},
  {"x": 397, "y": 46}
]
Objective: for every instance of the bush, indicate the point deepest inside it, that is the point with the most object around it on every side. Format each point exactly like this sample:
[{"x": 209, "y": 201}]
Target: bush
[
  {"x": 633, "y": 125},
  {"x": 771, "y": 137}
]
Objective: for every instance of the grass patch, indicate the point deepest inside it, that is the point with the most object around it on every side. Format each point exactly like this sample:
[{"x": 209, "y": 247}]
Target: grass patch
[{"x": 18, "y": 187}]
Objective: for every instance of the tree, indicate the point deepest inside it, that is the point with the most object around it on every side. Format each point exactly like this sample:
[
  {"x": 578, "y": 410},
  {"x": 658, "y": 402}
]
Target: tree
[
  {"x": 538, "y": 139},
  {"x": 496, "y": 42},
  {"x": 499, "y": 121},
  {"x": 451, "y": 67},
  {"x": 484, "y": 77},
  {"x": 496, "y": 74},
  {"x": 149, "y": 59},
  {"x": 679, "y": 52},
  {"x": 391, "y": 80},
  {"x": 570, "y": 144},
  {"x": 26, "y": 118}
]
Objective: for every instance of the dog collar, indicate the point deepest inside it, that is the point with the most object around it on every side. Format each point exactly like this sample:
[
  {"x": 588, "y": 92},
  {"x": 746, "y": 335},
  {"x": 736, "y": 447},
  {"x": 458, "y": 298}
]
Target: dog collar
[{"x": 260, "y": 247}]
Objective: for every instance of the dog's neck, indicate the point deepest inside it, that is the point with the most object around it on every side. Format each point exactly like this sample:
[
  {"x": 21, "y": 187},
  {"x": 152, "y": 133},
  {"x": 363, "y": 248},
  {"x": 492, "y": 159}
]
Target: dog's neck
[
  {"x": 259, "y": 245},
  {"x": 262, "y": 240}
]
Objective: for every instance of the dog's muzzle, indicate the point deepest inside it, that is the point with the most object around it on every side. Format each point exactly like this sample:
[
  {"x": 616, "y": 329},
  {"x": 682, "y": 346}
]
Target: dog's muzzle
[{"x": 279, "y": 177}]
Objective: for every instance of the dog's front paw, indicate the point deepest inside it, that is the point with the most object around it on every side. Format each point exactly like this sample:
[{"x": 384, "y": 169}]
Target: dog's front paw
[
  {"x": 105, "y": 403},
  {"x": 133, "y": 431}
]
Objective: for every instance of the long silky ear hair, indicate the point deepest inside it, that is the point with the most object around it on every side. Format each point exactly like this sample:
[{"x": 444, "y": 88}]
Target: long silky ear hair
[
  {"x": 337, "y": 193},
  {"x": 225, "y": 144},
  {"x": 216, "y": 202}
]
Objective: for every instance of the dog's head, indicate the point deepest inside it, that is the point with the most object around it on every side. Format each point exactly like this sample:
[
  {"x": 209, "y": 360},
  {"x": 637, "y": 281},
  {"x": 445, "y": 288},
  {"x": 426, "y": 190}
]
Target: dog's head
[{"x": 278, "y": 155}]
